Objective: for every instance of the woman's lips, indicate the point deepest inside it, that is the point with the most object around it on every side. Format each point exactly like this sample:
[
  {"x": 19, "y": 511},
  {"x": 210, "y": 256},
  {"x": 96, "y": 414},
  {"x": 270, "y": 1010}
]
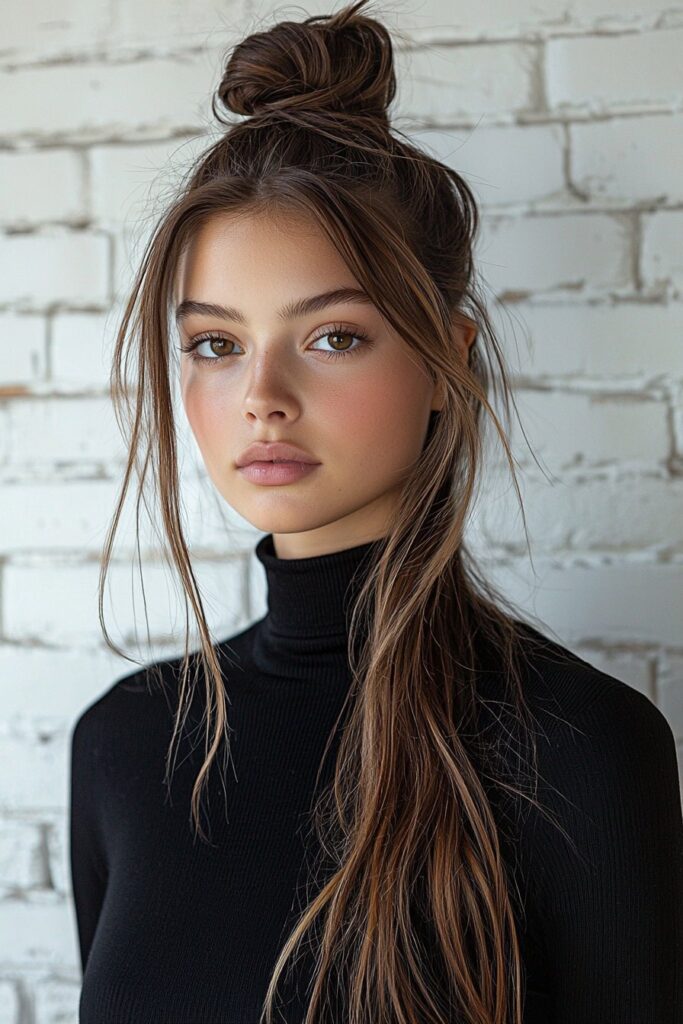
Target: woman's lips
[{"x": 277, "y": 472}]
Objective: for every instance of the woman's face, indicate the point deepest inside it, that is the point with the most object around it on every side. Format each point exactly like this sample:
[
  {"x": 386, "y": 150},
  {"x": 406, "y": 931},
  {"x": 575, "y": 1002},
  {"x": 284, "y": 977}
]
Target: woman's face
[{"x": 362, "y": 414}]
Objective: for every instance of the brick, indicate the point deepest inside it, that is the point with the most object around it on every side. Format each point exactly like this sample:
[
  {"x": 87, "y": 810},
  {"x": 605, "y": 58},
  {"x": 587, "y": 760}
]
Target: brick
[
  {"x": 157, "y": 22},
  {"x": 617, "y": 13},
  {"x": 636, "y": 603},
  {"x": 57, "y": 516},
  {"x": 56, "y": 1001},
  {"x": 34, "y": 32},
  {"x": 626, "y": 342},
  {"x": 597, "y": 430},
  {"x": 41, "y": 185},
  {"x": 27, "y": 683},
  {"x": 54, "y": 266},
  {"x": 623, "y": 514},
  {"x": 610, "y": 72},
  {"x": 74, "y": 516},
  {"x": 634, "y": 159},
  {"x": 133, "y": 182},
  {"x": 81, "y": 349},
  {"x": 503, "y": 165},
  {"x": 37, "y": 779},
  {"x": 565, "y": 253},
  {"x": 439, "y": 18},
  {"x": 57, "y": 603},
  {"x": 448, "y": 82},
  {"x": 22, "y": 349},
  {"x": 662, "y": 258},
  {"x": 92, "y": 99},
  {"x": 48, "y": 431},
  {"x": 130, "y": 241},
  {"x": 21, "y": 856},
  {"x": 38, "y": 933}
]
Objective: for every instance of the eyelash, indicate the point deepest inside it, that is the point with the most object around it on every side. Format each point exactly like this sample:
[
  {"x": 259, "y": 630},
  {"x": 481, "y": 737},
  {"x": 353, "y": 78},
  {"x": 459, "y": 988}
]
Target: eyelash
[{"x": 336, "y": 329}]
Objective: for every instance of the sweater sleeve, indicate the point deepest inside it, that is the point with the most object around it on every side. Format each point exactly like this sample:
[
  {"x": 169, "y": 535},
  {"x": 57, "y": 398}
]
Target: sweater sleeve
[
  {"x": 609, "y": 901},
  {"x": 88, "y": 871}
]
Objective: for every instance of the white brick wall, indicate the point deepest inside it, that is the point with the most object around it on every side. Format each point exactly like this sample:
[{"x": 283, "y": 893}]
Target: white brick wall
[{"x": 565, "y": 119}]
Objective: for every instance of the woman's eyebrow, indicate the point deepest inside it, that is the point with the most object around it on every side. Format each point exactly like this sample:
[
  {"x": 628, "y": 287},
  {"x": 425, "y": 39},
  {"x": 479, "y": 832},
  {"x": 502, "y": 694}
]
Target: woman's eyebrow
[{"x": 292, "y": 309}]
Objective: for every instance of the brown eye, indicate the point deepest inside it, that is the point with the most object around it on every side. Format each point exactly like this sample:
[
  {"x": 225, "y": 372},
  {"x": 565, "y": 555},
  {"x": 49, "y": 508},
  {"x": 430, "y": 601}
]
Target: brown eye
[
  {"x": 353, "y": 341},
  {"x": 217, "y": 345},
  {"x": 213, "y": 343},
  {"x": 344, "y": 334}
]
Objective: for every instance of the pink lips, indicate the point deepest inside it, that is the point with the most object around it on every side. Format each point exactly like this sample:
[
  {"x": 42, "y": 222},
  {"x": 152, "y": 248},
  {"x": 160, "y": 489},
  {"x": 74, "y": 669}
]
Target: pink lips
[
  {"x": 262, "y": 472},
  {"x": 268, "y": 451}
]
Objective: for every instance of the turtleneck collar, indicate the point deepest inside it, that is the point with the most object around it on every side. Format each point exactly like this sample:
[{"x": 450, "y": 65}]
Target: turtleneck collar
[
  {"x": 309, "y": 603},
  {"x": 308, "y": 596}
]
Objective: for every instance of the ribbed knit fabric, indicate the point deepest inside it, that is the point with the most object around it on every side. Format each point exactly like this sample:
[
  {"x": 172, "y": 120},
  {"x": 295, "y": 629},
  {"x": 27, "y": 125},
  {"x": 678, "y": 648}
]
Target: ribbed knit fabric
[{"x": 175, "y": 931}]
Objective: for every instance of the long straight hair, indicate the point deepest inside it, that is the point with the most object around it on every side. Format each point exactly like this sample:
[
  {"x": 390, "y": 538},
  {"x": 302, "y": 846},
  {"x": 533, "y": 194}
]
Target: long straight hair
[{"x": 407, "y": 824}]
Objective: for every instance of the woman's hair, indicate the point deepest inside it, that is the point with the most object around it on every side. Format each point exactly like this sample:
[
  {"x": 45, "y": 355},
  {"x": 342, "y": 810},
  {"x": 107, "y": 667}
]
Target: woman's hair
[{"x": 418, "y": 913}]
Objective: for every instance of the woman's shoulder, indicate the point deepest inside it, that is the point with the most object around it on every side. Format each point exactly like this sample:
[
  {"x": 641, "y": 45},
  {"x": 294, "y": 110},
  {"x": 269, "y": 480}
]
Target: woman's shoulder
[
  {"x": 605, "y": 751},
  {"x": 601, "y": 854},
  {"x": 146, "y": 685},
  {"x": 127, "y": 691},
  {"x": 598, "y": 740},
  {"x": 133, "y": 700},
  {"x": 563, "y": 691}
]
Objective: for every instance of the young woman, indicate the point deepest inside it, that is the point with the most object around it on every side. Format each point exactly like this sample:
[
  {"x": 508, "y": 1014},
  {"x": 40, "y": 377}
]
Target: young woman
[{"x": 424, "y": 811}]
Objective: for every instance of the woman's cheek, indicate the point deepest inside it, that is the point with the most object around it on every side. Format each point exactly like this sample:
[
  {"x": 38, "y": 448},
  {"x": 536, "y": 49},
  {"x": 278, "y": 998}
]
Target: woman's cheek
[
  {"x": 204, "y": 416},
  {"x": 393, "y": 414}
]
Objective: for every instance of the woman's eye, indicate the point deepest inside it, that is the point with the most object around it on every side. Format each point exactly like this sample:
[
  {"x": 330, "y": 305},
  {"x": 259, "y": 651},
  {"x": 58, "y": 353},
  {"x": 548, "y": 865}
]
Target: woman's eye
[
  {"x": 214, "y": 344},
  {"x": 345, "y": 344}
]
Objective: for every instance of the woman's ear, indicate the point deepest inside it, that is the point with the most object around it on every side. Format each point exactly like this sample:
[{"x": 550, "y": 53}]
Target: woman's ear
[{"x": 465, "y": 332}]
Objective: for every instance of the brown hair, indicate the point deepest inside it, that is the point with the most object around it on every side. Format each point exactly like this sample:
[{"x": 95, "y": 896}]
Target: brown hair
[{"x": 408, "y": 822}]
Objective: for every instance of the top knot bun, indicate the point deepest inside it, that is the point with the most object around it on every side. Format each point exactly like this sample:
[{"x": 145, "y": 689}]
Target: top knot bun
[{"x": 341, "y": 62}]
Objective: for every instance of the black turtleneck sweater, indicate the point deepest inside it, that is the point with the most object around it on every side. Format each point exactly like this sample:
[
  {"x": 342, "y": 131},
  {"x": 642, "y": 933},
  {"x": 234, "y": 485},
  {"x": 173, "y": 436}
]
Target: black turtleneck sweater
[{"x": 175, "y": 931}]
